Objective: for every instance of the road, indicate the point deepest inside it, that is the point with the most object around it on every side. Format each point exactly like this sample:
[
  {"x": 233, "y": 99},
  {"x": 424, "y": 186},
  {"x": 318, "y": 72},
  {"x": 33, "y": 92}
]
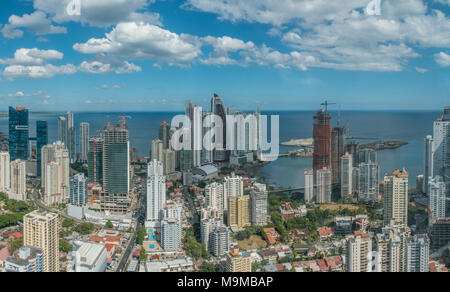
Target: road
[
  {"x": 140, "y": 216},
  {"x": 41, "y": 205}
]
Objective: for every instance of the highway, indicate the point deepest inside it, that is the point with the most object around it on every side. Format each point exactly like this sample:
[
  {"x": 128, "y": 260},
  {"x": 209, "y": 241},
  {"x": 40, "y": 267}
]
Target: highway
[{"x": 42, "y": 206}]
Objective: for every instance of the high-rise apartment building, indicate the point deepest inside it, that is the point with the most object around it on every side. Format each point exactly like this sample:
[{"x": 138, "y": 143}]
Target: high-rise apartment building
[
  {"x": 233, "y": 186},
  {"x": 66, "y": 134},
  {"x": 427, "y": 162},
  {"x": 219, "y": 244},
  {"x": 84, "y": 141},
  {"x": 78, "y": 190},
  {"x": 55, "y": 173},
  {"x": 207, "y": 226},
  {"x": 157, "y": 150},
  {"x": 18, "y": 185},
  {"x": 440, "y": 146},
  {"x": 368, "y": 175},
  {"x": 323, "y": 186},
  {"x": 418, "y": 254},
  {"x": 322, "y": 142},
  {"x": 95, "y": 160},
  {"x": 4, "y": 172},
  {"x": 156, "y": 191},
  {"x": 116, "y": 159},
  {"x": 169, "y": 161},
  {"x": 437, "y": 197},
  {"x": 359, "y": 253},
  {"x": 238, "y": 262},
  {"x": 391, "y": 248},
  {"x": 239, "y": 211},
  {"x": 346, "y": 175},
  {"x": 396, "y": 198},
  {"x": 215, "y": 197},
  {"x": 171, "y": 228},
  {"x": 41, "y": 230},
  {"x": 41, "y": 141},
  {"x": 309, "y": 185},
  {"x": 258, "y": 198},
  {"x": 164, "y": 134},
  {"x": 18, "y": 133}
]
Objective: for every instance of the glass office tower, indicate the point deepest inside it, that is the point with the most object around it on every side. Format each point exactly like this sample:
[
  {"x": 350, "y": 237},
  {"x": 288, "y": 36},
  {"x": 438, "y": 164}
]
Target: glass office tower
[
  {"x": 41, "y": 141},
  {"x": 18, "y": 133}
]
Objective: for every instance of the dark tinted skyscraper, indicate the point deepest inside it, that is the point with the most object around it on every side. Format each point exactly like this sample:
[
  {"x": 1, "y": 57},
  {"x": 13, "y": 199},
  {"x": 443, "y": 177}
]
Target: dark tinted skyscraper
[
  {"x": 116, "y": 158},
  {"x": 41, "y": 141},
  {"x": 95, "y": 160},
  {"x": 18, "y": 133},
  {"x": 337, "y": 151},
  {"x": 218, "y": 108},
  {"x": 164, "y": 134}
]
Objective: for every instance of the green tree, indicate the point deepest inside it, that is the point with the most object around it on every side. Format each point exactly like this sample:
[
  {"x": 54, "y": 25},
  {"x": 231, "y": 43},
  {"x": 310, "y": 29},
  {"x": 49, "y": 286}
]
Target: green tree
[
  {"x": 208, "y": 267},
  {"x": 85, "y": 228},
  {"x": 14, "y": 244},
  {"x": 140, "y": 237},
  {"x": 64, "y": 246},
  {"x": 67, "y": 223},
  {"x": 143, "y": 255},
  {"x": 109, "y": 224}
]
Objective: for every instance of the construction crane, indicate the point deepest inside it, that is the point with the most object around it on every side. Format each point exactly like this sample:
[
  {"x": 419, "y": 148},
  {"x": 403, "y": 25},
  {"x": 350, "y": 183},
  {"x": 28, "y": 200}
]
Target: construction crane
[{"x": 326, "y": 104}]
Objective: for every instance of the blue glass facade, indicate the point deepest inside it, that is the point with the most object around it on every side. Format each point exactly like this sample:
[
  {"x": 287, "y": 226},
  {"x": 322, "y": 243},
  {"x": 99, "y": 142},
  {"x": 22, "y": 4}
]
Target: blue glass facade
[
  {"x": 18, "y": 133},
  {"x": 41, "y": 141}
]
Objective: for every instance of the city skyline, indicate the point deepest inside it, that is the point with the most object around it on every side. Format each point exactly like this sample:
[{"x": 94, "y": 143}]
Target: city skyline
[{"x": 255, "y": 54}]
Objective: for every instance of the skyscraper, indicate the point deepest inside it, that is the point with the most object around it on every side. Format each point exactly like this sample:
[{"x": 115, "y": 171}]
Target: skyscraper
[
  {"x": 41, "y": 141},
  {"x": 337, "y": 151},
  {"x": 359, "y": 253},
  {"x": 427, "y": 162},
  {"x": 215, "y": 197},
  {"x": 66, "y": 134},
  {"x": 78, "y": 190},
  {"x": 322, "y": 142},
  {"x": 232, "y": 187},
  {"x": 368, "y": 175},
  {"x": 218, "y": 108},
  {"x": 346, "y": 175},
  {"x": 18, "y": 190},
  {"x": 84, "y": 141},
  {"x": 116, "y": 158},
  {"x": 440, "y": 144},
  {"x": 309, "y": 185},
  {"x": 391, "y": 248},
  {"x": 157, "y": 150},
  {"x": 396, "y": 198},
  {"x": 258, "y": 198},
  {"x": 55, "y": 173},
  {"x": 41, "y": 230},
  {"x": 239, "y": 211},
  {"x": 164, "y": 134},
  {"x": 171, "y": 228},
  {"x": 323, "y": 185},
  {"x": 95, "y": 160},
  {"x": 437, "y": 197},
  {"x": 219, "y": 244},
  {"x": 4, "y": 172},
  {"x": 156, "y": 191},
  {"x": 18, "y": 133},
  {"x": 418, "y": 254}
]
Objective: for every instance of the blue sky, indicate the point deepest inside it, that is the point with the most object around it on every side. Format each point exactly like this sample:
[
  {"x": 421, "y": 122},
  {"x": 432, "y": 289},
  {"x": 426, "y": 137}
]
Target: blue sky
[{"x": 281, "y": 55}]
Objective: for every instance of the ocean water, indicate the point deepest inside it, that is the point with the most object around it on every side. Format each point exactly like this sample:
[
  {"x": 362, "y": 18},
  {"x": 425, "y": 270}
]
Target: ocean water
[{"x": 408, "y": 126}]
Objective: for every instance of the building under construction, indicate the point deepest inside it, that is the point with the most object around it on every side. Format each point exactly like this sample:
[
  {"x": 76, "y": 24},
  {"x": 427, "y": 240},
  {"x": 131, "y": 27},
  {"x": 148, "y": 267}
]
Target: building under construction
[{"x": 322, "y": 141}]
